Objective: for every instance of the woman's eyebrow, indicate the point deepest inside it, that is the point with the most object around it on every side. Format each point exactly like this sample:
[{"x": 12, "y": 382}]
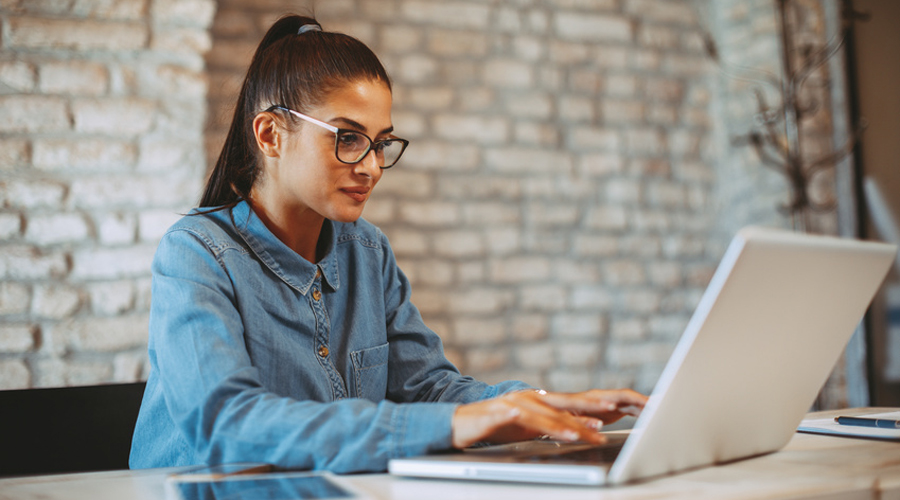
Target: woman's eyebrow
[{"x": 359, "y": 126}]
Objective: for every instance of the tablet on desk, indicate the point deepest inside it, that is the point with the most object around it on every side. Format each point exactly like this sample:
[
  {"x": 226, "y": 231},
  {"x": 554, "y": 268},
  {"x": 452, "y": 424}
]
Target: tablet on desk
[
  {"x": 272, "y": 486},
  {"x": 204, "y": 473}
]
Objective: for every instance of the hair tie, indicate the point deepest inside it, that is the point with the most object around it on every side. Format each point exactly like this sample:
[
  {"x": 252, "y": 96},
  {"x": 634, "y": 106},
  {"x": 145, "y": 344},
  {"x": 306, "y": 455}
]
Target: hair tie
[{"x": 308, "y": 27}]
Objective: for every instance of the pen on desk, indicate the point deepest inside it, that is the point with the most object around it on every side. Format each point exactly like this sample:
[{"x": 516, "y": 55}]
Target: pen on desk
[{"x": 883, "y": 423}]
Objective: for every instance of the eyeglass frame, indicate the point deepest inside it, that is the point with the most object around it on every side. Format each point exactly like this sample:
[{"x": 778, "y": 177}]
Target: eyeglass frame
[{"x": 337, "y": 133}]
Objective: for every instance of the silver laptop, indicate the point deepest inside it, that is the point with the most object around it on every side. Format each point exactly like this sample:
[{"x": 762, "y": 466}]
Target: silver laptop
[{"x": 764, "y": 338}]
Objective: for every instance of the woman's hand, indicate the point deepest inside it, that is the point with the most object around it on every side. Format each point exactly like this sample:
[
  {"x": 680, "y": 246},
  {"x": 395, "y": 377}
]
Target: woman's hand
[{"x": 529, "y": 414}]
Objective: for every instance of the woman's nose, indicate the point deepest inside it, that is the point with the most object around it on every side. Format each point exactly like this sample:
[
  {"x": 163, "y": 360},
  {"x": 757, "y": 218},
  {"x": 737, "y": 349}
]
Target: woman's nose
[{"x": 368, "y": 166}]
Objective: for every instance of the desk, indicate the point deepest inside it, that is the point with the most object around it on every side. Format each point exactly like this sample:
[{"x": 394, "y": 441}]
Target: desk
[{"x": 810, "y": 466}]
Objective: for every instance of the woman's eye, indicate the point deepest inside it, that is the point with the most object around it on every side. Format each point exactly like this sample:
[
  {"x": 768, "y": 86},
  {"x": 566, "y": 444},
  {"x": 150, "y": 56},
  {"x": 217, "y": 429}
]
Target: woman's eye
[{"x": 350, "y": 139}]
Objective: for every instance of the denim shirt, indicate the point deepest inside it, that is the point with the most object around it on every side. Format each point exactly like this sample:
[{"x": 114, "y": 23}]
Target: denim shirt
[{"x": 258, "y": 355}]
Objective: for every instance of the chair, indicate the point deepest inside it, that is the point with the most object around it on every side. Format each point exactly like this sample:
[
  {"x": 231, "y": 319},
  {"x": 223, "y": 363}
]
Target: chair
[{"x": 68, "y": 429}]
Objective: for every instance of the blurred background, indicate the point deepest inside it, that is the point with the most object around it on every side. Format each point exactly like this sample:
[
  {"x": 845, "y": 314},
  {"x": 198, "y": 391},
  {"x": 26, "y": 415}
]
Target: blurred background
[{"x": 577, "y": 168}]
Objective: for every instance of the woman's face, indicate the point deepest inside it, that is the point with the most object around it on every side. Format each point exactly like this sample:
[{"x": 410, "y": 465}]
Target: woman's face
[{"x": 308, "y": 176}]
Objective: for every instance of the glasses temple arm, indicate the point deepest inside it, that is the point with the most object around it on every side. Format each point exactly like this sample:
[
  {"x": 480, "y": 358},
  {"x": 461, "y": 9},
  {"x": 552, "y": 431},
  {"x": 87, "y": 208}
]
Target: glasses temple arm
[{"x": 311, "y": 120}]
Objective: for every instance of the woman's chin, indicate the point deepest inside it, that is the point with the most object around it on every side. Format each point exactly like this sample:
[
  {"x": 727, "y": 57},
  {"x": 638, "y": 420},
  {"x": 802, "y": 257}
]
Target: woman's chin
[{"x": 346, "y": 216}]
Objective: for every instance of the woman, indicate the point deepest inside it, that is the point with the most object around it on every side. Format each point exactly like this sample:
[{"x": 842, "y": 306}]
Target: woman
[{"x": 281, "y": 329}]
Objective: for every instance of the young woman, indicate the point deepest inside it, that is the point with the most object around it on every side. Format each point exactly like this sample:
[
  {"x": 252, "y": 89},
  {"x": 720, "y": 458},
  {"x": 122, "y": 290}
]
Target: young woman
[{"x": 281, "y": 329}]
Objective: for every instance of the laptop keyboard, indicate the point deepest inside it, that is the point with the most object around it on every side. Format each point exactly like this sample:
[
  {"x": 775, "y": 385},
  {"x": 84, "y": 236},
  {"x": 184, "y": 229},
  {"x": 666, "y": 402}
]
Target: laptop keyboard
[
  {"x": 597, "y": 454},
  {"x": 600, "y": 454}
]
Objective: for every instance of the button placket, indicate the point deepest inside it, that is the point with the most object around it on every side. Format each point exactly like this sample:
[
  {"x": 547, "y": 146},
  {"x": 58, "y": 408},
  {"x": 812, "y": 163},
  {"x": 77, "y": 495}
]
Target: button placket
[{"x": 322, "y": 337}]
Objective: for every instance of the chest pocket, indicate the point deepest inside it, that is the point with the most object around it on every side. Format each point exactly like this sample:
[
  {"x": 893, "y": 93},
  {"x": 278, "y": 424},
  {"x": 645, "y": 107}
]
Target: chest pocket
[{"x": 370, "y": 371}]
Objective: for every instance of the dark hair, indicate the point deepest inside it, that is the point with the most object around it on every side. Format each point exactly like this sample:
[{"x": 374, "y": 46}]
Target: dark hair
[{"x": 292, "y": 69}]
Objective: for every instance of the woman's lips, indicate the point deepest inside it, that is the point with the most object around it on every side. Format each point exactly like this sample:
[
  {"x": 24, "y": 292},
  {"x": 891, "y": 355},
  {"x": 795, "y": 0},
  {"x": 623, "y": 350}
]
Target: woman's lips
[{"x": 358, "y": 194}]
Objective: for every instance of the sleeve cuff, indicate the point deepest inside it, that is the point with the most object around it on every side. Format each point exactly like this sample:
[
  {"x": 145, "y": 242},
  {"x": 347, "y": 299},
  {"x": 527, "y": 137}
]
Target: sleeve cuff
[{"x": 421, "y": 428}]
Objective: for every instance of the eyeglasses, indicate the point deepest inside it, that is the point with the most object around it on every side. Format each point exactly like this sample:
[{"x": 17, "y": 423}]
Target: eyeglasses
[{"x": 351, "y": 146}]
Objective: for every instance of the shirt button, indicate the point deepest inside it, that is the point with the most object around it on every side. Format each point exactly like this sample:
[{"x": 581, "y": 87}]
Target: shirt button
[
  {"x": 317, "y": 295},
  {"x": 318, "y": 273},
  {"x": 323, "y": 351}
]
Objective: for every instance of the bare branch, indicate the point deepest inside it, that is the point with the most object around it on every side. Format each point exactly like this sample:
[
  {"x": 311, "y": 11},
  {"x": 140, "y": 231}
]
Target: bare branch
[
  {"x": 831, "y": 158},
  {"x": 768, "y": 160}
]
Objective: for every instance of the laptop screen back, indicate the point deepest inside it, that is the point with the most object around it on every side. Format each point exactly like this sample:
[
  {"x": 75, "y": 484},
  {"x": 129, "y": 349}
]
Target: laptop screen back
[{"x": 764, "y": 338}]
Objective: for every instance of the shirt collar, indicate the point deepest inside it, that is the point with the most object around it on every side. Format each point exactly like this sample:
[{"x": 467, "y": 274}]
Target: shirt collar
[{"x": 290, "y": 267}]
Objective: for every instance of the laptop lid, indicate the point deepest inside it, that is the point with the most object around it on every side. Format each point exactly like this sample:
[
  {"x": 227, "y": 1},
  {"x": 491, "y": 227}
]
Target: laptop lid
[
  {"x": 761, "y": 343},
  {"x": 763, "y": 340}
]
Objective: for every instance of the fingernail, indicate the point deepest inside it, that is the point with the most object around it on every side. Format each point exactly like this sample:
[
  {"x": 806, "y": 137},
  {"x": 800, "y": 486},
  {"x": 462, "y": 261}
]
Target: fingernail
[{"x": 570, "y": 436}]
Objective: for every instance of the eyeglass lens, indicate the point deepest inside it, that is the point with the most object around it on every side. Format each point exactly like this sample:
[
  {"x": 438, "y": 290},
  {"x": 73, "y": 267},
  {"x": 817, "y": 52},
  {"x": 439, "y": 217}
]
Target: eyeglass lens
[{"x": 352, "y": 147}]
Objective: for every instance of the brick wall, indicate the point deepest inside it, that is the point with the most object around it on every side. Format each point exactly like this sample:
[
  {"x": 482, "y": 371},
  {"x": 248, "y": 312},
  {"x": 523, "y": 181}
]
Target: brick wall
[
  {"x": 568, "y": 192},
  {"x": 747, "y": 35},
  {"x": 102, "y": 107}
]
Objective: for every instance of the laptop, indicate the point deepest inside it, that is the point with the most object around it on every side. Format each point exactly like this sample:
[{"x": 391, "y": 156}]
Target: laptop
[{"x": 763, "y": 340}]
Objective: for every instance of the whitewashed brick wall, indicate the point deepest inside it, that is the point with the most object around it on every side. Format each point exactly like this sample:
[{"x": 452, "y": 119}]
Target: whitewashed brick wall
[
  {"x": 102, "y": 107},
  {"x": 748, "y": 41}
]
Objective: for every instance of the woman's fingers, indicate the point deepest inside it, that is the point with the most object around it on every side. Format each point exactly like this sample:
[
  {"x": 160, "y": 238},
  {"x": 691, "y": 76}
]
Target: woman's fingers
[
  {"x": 556, "y": 423},
  {"x": 476, "y": 422},
  {"x": 528, "y": 414},
  {"x": 596, "y": 400},
  {"x": 591, "y": 422},
  {"x": 604, "y": 404},
  {"x": 522, "y": 414}
]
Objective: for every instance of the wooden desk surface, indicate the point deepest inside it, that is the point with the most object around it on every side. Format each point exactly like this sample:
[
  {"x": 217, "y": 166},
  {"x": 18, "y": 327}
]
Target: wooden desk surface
[{"x": 810, "y": 466}]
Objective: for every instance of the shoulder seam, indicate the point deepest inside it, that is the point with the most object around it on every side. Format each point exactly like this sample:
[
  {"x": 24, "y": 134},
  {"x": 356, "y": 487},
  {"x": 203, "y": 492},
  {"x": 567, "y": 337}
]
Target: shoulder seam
[{"x": 217, "y": 248}]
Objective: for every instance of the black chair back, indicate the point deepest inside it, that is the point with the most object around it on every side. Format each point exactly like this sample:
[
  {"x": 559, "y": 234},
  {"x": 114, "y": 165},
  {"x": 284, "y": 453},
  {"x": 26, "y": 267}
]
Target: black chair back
[{"x": 67, "y": 429}]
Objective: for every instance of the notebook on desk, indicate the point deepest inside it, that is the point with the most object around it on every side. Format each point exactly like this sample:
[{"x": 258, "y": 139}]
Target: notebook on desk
[{"x": 763, "y": 340}]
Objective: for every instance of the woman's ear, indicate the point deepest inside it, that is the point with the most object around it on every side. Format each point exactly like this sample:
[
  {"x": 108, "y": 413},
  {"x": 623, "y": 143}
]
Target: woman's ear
[{"x": 268, "y": 134}]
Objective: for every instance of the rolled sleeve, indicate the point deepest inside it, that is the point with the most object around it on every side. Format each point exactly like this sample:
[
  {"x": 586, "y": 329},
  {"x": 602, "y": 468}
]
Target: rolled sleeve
[{"x": 422, "y": 428}]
